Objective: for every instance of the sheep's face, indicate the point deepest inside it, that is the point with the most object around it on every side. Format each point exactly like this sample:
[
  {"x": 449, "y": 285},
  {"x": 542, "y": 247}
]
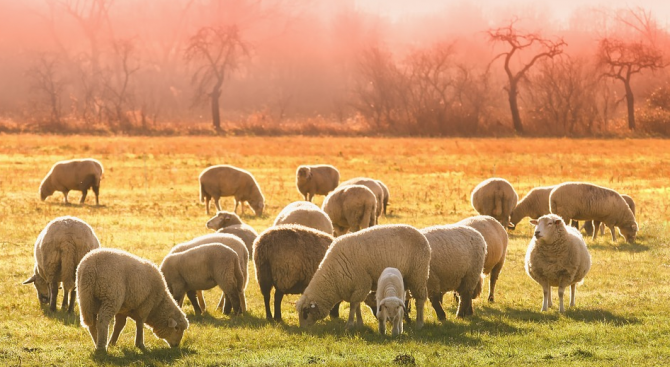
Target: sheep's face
[
  {"x": 303, "y": 174},
  {"x": 629, "y": 232},
  {"x": 390, "y": 309},
  {"x": 173, "y": 331},
  {"x": 258, "y": 207},
  {"x": 223, "y": 219},
  {"x": 45, "y": 191},
  {"x": 41, "y": 286},
  {"x": 308, "y": 313},
  {"x": 547, "y": 226}
]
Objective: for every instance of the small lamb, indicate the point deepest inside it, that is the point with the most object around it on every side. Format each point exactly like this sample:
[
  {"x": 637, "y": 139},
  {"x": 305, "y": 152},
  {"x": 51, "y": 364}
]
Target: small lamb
[{"x": 390, "y": 300}]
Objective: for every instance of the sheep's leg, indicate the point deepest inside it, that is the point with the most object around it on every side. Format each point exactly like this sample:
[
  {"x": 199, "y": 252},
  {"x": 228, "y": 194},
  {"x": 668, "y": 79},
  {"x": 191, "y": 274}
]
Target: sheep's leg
[
  {"x": 352, "y": 314},
  {"x": 546, "y": 297},
  {"x": 561, "y": 291},
  {"x": 207, "y": 199},
  {"x": 236, "y": 204},
  {"x": 217, "y": 202},
  {"x": 397, "y": 326},
  {"x": 436, "y": 301},
  {"x": 139, "y": 334},
  {"x": 573, "y": 291},
  {"x": 53, "y": 295},
  {"x": 65, "y": 196},
  {"x": 613, "y": 230},
  {"x": 495, "y": 272},
  {"x": 105, "y": 316},
  {"x": 278, "y": 297},
  {"x": 602, "y": 229},
  {"x": 420, "y": 302},
  {"x": 201, "y": 301},
  {"x": 266, "y": 292},
  {"x": 381, "y": 315},
  {"x": 119, "y": 324},
  {"x": 335, "y": 311},
  {"x": 84, "y": 192},
  {"x": 73, "y": 298},
  {"x": 192, "y": 296},
  {"x": 222, "y": 301},
  {"x": 359, "y": 316},
  {"x": 595, "y": 233},
  {"x": 96, "y": 191},
  {"x": 465, "y": 306},
  {"x": 227, "y": 304},
  {"x": 309, "y": 197},
  {"x": 65, "y": 300}
]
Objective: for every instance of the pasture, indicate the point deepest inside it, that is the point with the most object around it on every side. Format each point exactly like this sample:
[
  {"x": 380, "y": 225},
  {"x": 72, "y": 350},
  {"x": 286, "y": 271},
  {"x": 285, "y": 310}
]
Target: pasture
[{"x": 149, "y": 198}]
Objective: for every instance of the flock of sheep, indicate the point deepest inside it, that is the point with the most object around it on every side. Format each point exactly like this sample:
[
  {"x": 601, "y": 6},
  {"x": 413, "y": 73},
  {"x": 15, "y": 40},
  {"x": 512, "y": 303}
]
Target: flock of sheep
[{"x": 331, "y": 254}]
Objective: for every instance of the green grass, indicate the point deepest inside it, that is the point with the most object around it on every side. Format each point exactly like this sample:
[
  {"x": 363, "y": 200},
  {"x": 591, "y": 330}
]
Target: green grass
[{"x": 150, "y": 203}]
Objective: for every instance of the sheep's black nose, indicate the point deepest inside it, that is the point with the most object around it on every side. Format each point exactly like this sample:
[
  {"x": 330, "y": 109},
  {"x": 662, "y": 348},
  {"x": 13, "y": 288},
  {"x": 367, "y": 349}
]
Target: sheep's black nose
[{"x": 537, "y": 234}]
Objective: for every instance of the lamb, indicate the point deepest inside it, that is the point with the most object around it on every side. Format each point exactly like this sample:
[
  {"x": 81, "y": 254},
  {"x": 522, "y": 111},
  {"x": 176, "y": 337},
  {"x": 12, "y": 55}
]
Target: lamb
[
  {"x": 75, "y": 174},
  {"x": 590, "y": 225},
  {"x": 557, "y": 257},
  {"x": 306, "y": 214},
  {"x": 232, "y": 241},
  {"x": 496, "y": 246},
  {"x": 353, "y": 263},
  {"x": 316, "y": 180},
  {"x": 390, "y": 297},
  {"x": 457, "y": 255},
  {"x": 58, "y": 250},
  {"x": 115, "y": 284},
  {"x": 376, "y": 189},
  {"x": 495, "y": 197},
  {"x": 227, "y": 222},
  {"x": 204, "y": 267},
  {"x": 350, "y": 208},
  {"x": 586, "y": 201},
  {"x": 223, "y": 180},
  {"x": 286, "y": 258},
  {"x": 534, "y": 205},
  {"x": 386, "y": 195}
]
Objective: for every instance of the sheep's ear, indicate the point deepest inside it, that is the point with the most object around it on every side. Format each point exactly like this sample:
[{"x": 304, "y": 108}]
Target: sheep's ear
[
  {"x": 380, "y": 304},
  {"x": 172, "y": 322},
  {"x": 634, "y": 226},
  {"x": 30, "y": 280},
  {"x": 558, "y": 222},
  {"x": 533, "y": 222},
  {"x": 512, "y": 226}
]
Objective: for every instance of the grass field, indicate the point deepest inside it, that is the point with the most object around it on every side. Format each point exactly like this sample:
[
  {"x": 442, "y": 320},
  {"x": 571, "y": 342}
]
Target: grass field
[{"x": 149, "y": 200}]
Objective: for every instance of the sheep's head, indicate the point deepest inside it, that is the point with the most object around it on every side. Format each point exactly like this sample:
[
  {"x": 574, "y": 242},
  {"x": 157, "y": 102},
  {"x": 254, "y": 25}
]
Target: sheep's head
[
  {"x": 45, "y": 190},
  {"x": 629, "y": 231},
  {"x": 514, "y": 219},
  {"x": 547, "y": 227},
  {"x": 303, "y": 174},
  {"x": 308, "y": 312},
  {"x": 258, "y": 207},
  {"x": 223, "y": 219},
  {"x": 390, "y": 308},
  {"x": 172, "y": 329},
  {"x": 41, "y": 286}
]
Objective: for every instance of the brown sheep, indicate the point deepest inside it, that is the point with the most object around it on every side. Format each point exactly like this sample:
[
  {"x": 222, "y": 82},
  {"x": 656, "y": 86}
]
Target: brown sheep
[
  {"x": 316, "y": 180},
  {"x": 75, "y": 174},
  {"x": 223, "y": 180}
]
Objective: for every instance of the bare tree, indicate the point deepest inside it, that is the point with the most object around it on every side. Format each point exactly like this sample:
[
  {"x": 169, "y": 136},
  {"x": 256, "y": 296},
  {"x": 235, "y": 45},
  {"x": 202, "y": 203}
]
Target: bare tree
[
  {"x": 47, "y": 84},
  {"x": 622, "y": 58},
  {"x": 517, "y": 42},
  {"x": 218, "y": 52},
  {"x": 116, "y": 82}
]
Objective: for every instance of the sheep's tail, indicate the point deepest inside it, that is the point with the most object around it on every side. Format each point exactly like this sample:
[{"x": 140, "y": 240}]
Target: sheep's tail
[
  {"x": 202, "y": 193},
  {"x": 239, "y": 280},
  {"x": 498, "y": 205},
  {"x": 85, "y": 285},
  {"x": 369, "y": 215},
  {"x": 478, "y": 288}
]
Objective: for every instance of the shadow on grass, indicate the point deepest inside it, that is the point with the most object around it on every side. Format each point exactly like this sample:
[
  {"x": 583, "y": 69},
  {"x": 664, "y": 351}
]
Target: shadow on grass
[
  {"x": 76, "y": 205},
  {"x": 66, "y": 318},
  {"x": 598, "y": 316},
  {"x": 149, "y": 357},
  {"x": 588, "y": 316},
  {"x": 624, "y": 247},
  {"x": 245, "y": 321}
]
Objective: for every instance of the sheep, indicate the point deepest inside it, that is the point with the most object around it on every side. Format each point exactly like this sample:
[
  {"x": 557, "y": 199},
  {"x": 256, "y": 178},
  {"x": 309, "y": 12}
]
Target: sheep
[
  {"x": 350, "y": 208},
  {"x": 227, "y": 222},
  {"x": 457, "y": 255},
  {"x": 306, "y": 214},
  {"x": 586, "y": 201},
  {"x": 495, "y": 197},
  {"x": 590, "y": 225},
  {"x": 316, "y": 180},
  {"x": 376, "y": 189},
  {"x": 496, "y": 246},
  {"x": 232, "y": 241},
  {"x": 204, "y": 267},
  {"x": 352, "y": 265},
  {"x": 224, "y": 180},
  {"x": 115, "y": 284},
  {"x": 286, "y": 258},
  {"x": 390, "y": 298},
  {"x": 75, "y": 174},
  {"x": 535, "y": 204},
  {"x": 557, "y": 257},
  {"x": 59, "y": 248},
  {"x": 386, "y": 195}
]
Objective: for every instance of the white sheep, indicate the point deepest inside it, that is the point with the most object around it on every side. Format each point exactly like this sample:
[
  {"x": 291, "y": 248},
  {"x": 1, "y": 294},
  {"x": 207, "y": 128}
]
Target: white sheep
[
  {"x": 115, "y": 284},
  {"x": 75, "y": 174},
  {"x": 390, "y": 297},
  {"x": 496, "y": 246},
  {"x": 586, "y": 201},
  {"x": 227, "y": 222},
  {"x": 385, "y": 189},
  {"x": 306, "y": 214},
  {"x": 316, "y": 180},
  {"x": 376, "y": 189},
  {"x": 353, "y": 264},
  {"x": 350, "y": 208},
  {"x": 204, "y": 267},
  {"x": 457, "y": 255},
  {"x": 232, "y": 241},
  {"x": 590, "y": 225},
  {"x": 534, "y": 205},
  {"x": 557, "y": 257},
  {"x": 58, "y": 250},
  {"x": 495, "y": 197},
  {"x": 286, "y": 258},
  {"x": 224, "y": 180}
]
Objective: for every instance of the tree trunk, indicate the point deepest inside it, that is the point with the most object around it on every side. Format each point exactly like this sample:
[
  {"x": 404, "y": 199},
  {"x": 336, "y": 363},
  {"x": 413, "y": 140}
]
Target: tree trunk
[
  {"x": 630, "y": 103},
  {"x": 216, "y": 115},
  {"x": 514, "y": 106}
]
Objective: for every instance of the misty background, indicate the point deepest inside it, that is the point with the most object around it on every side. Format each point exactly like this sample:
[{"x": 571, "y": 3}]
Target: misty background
[{"x": 434, "y": 68}]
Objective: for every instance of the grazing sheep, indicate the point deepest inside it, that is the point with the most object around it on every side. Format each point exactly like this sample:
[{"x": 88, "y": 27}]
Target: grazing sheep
[
  {"x": 496, "y": 246},
  {"x": 223, "y": 180},
  {"x": 58, "y": 250},
  {"x": 589, "y": 225},
  {"x": 386, "y": 195},
  {"x": 316, "y": 180},
  {"x": 286, "y": 258},
  {"x": 457, "y": 255},
  {"x": 557, "y": 257},
  {"x": 115, "y": 284},
  {"x": 204, "y": 267},
  {"x": 495, "y": 197},
  {"x": 353, "y": 264},
  {"x": 306, "y": 214},
  {"x": 534, "y": 205},
  {"x": 232, "y": 241},
  {"x": 227, "y": 222},
  {"x": 75, "y": 174},
  {"x": 390, "y": 297},
  {"x": 350, "y": 208},
  {"x": 586, "y": 201},
  {"x": 376, "y": 189}
]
